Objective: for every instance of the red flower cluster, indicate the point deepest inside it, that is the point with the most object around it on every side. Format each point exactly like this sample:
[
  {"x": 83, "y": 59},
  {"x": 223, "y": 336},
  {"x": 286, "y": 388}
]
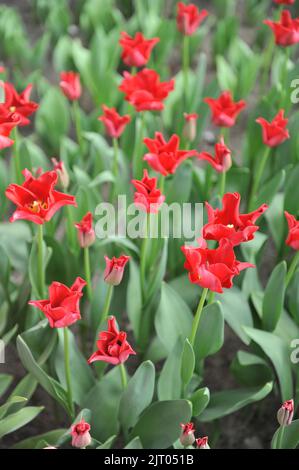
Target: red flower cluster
[
  {"x": 163, "y": 156},
  {"x": 147, "y": 196},
  {"x": 222, "y": 161},
  {"x": 114, "y": 123},
  {"x": 275, "y": 132},
  {"x": 213, "y": 269},
  {"x": 36, "y": 199},
  {"x": 70, "y": 85},
  {"x": 286, "y": 30},
  {"x": 189, "y": 18},
  {"x": 136, "y": 51},
  {"x": 62, "y": 308},
  {"x": 224, "y": 109},
  {"x": 145, "y": 91},
  {"x": 293, "y": 235},
  {"x": 112, "y": 345}
]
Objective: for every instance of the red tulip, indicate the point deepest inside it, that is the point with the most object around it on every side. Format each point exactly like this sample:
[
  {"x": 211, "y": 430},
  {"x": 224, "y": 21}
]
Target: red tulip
[
  {"x": 70, "y": 85},
  {"x": 163, "y": 156},
  {"x": 229, "y": 223},
  {"x": 190, "y": 126},
  {"x": 8, "y": 121},
  {"x": 114, "y": 123},
  {"x": 187, "y": 437},
  {"x": 86, "y": 234},
  {"x": 275, "y": 132},
  {"x": 145, "y": 91},
  {"x": 147, "y": 196},
  {"x": 36, "y": 199},
  {"x": 286, "y": 30},
  {"x": 202, "y": 443},
  {"x": 213, "y": 269},
  {"x": 189, "y": 18},
  {"x": 19, "y": 105},
  {"x": 112, "y": 345},
  {"x": 293, "y": 235},
  {"x": 62, "y": 173},
  {"x": 136, "y": 51},
  {"x": 62, "y": 308},
  {"x": 284, "y": 2},
  {"x": 285, "y": 413},
  {"x": 80, "y": 434},
  {"x": 222, "y": 160},
  {"x": 114, "y": 271},
  {"x": 224, "y": 109}
]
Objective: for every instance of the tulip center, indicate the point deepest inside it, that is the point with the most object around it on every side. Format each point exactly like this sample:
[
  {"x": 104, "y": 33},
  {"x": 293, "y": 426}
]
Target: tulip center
[
  {"x": 36, "y": 206},
  {"x": 230, "y": 225},
  {"x": 12, "y": 109}
]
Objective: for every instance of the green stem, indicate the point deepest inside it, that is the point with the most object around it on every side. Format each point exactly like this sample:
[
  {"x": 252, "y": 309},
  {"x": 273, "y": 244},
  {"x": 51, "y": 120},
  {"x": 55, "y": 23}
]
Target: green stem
[
  {"x": 114, "y": 168},
  {"x": 143, "y": 255},
  {"x": 123, "y": 375},
  {"x": 208, "y": 181},
  {"x": 258, "y": 177},
  {"x": 68, "y": 371},
  {"x": 40, "y": 260},
  {"x": 137, "y": 163},
  {"x": 77, "y": 122},
  {"x": 292, "y": 268},
  {"x": 222, "y": 183},
  {"x": 87, "y": 272},
  {"x": 284, "y": 77},
  {"x": 211, "y": 297},
  {"x": 186, "y": 65},
  {"x": 107, "y": 303},
  {"x": 161, "y": 183},
  {"x": 17, "y": 163},
  {"x": 280, "y": 437},
  {"x": 71, "y": 234},
  {"x": 198, "y": 315}
]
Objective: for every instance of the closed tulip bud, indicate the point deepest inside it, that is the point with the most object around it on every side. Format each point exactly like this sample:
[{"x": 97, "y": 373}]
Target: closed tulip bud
[
  {"x": 63, "y": 176},
  {"x": 190, "y": 126},
  {"x": 80, "y": 434},
  {"x": 115, "y": 269},
  {"x": 86, "y": 234},
  {"x": 187, "y": 437},
  {"x": 285, "y": 413},
  {"x": 202, "y": 443}
]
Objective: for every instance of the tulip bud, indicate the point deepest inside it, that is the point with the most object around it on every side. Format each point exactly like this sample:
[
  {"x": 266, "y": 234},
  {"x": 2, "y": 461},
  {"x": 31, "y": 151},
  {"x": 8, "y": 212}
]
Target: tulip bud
[
  {"x": 62, "y": 173},
  {"x": 285, "y": 413},
  {"x": 202, "y": 443},
  {"x": 187, "y": 437},
  {"x": 86, "y": 234},
  {"x": 190, "y": 126},
  {"x": 80, "y": 434},
  {"x": 115, "y": 269}
]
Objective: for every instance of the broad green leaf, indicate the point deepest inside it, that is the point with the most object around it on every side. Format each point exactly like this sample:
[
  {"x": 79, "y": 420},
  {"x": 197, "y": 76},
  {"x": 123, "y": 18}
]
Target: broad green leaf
[
  {"x": 188, "y": 362},
  {"x": 138, "y": 395},
  {"x": 200, "y": 400},
  {"x": 159, "y": 426},
  {"x": 108, "y": 443},
  {"x": 170, "y": 383},
  {"x": 274, "y": 297},
  {"x": 10, "y": 402},
  {"x": 134, "y": 444},
  {"x": 50, "y": 438},
  {"x": 290, "y": 439},
  {"x": 5, "y": 381},
  {"x": 19, "y": 419},
  {"x": 134, "y": 298},
  {"x": 227, "y": 402},
  {"x": 251, "y": 370},
  {"x": 210, "y": 333}
]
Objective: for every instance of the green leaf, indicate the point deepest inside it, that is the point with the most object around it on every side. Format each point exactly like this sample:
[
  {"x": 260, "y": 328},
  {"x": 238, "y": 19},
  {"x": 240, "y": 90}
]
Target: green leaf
[
  {"x": 19, "y": 419},
  {"x": 134, "y": 298},
  {"x": 290, "y": 439},
  {"x": 275, "y": 219},
  {"x": 200, "y": 400},
  {"x": 236, "y": 311},
  {"x": 173, "y": 319},
  {"x": 271, "y": 188},
  {"x": 138, "y": 395},
  {"x": 50, "y": 438},
  {"x": 14, "y": 238},
  {"x": 188, "y": 362},
  {"x": 251, "y": 370},
  {"x": 274, "y": 297},
  {"x": 108, "y": 443},
  {"x": 227, "y": 402},
  {"x": 33, "y": 266},
  {"x": 278, "y": 353},
  {"x": 170, "y": 383},
  {"x": 5, "y": 381},
  {"x": 226, "y": 77},
  {"x": 292, "y": 191},
  {"x": 210, "y": 333},
  {"x": 10, "y": 402},
  {"x": 159, "y": 426},
  {"x": 134, "y": 444}
]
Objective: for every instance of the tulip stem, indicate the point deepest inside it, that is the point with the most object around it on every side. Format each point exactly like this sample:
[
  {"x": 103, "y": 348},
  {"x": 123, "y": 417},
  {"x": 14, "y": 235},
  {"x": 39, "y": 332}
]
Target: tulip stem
[
  {"x": 211, "y": 297},
  {"x": 107, "y": 303},
  {"x": 198, "y": 315},
  {"x": 114, "y": 168},
  {"x": 222, "y": 184},
  {"x": 186, "y": 65},
  {"x": 143, "y": 254},
  {"x": 292, "y": 268},
  {"x": 17, "y": 164},
  {"x": 137, "y": 159},
  {"x": 77, "y": 122},
  {"x": 68, "y": 370},
  {"x": 40, "y": 260},
  {"x": 258, "y": 177},
  {"x": 123, "y": 375},
  {"x": 70, "y": 228},
  {"x": 87, "y": 272}
]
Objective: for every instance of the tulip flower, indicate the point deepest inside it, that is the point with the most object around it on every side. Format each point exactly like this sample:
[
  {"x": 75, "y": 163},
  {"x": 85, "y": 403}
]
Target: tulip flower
[
  {"x": 189, "y": 18},
  {"x": 80, "y": 434},
  {"x": 202, "y": 443},
  {"x": 114, "y": 123},
  {"x": 284, "y": 417},
  {"x": 165, "y": 157},
  {"x": 284, "y": 2},
  {"x": 187, "y": 437},
  {"x": 17, "y": 104},
  {"x": 274, "y": 132},
  {"x": 145, "y": 91},
  {"x": 86, "y": 237},
  {"x": 286, "y": 30},
  {"x": 136, "y": 51},
  {"x": 224, "y": 109},
  {"x": 147, "y": 196},
  {"x": 70, "y": 85},
  {"x": 63, "y": 176},
  {"x": 189, "y": 130},
  {"x": 229, "y": 223},
  {"x": 292, "y": 241},
  {"x": 8, "y": 121},
  {"x": 115, "y": 269},
  {"x": 222, "y": 161}
]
